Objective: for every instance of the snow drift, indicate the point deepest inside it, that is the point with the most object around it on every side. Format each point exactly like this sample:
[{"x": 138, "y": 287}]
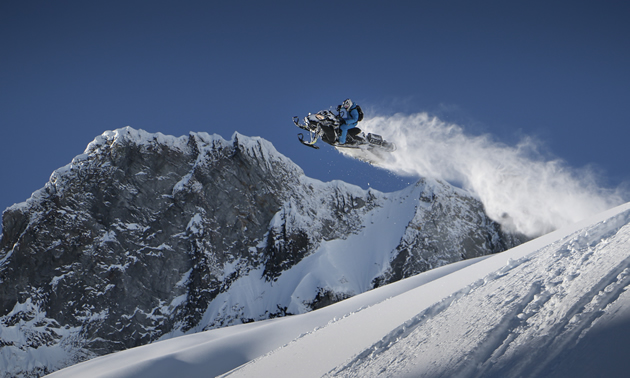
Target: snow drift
[{"x": 555, "y": 306}]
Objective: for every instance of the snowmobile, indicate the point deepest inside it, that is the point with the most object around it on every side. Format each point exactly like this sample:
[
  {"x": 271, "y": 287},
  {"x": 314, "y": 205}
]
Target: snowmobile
[{"x": 325, "y": 124}]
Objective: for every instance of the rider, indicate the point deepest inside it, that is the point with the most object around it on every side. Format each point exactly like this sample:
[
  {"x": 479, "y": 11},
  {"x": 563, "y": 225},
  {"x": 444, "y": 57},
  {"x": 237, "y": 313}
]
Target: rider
[{"x": 349, "y": 118}]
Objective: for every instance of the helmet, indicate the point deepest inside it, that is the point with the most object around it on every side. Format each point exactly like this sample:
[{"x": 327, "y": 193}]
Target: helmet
[{"x": 347, "y": 103}]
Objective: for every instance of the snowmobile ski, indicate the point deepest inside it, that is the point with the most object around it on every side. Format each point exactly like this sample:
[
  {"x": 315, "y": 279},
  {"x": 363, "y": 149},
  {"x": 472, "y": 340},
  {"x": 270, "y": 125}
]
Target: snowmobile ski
[{"x": 309, "y": 144}]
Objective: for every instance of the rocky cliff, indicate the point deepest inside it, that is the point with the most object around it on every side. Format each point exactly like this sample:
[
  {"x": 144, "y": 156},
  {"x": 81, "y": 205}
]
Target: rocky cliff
[{"x": 146, "y": 236}]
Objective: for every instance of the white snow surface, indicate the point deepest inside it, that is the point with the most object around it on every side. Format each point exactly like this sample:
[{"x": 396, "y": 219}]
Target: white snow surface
[
  {"x": 345, "y": 266},
  {"x": 556, "y": 306},
  {"x": 254, "y": 146}
]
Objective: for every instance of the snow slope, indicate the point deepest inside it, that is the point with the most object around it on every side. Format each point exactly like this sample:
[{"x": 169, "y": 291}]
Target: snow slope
[
  {"x": 556, "y": 306},
  {"x": 147, "y": 237}
]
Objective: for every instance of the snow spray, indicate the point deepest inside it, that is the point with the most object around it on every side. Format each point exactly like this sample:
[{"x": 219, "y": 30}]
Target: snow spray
[{"x": 519, "y": 187}]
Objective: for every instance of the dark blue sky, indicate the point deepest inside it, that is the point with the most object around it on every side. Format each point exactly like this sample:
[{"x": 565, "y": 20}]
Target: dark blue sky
[{"x": 69, "y": 70}]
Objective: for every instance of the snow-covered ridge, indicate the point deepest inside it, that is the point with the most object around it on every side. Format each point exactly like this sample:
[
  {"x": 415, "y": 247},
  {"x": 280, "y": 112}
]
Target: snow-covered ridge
[
  {"x": 343, "y": 267},
  {"x": 254, "y": 146},
  {"x": 158, "y": 236},
  {"x": 556, "y": 306},
  {"x": 139, "y": 137}
]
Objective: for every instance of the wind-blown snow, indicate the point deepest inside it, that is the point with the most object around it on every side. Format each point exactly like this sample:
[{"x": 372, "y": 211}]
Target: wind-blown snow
[
  {"x": 519, "y": 188},
  {"x": 556, "y": 306}
]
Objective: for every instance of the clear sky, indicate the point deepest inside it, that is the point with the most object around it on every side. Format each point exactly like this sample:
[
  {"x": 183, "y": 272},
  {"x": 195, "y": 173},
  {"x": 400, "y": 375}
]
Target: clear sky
[{"x": 70, "y": 70}]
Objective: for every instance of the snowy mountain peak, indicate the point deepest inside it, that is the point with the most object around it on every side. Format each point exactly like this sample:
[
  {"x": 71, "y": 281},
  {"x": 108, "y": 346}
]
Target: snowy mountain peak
[
  {"x": 145, "y": 237},
  {"x": 557, "y": 306}
]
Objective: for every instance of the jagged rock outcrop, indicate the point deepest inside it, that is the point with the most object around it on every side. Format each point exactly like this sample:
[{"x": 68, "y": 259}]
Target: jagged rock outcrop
[
  {"x": 146, "y": 236},
  {"x": 448, "y": 223}
]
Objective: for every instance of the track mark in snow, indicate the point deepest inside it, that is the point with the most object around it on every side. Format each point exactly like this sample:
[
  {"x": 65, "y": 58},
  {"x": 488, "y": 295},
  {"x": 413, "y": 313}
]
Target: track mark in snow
[
  {"x": 499, "y": 338},
  {"x": 516, "y": 321},
  {"x": 566, "y": 334},
  {"x": 569, "y": 305},
  {"x": 403, "y": 331}
]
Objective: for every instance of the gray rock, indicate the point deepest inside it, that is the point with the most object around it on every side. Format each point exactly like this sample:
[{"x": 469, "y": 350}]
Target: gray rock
[{"x": 134, "y": 240}]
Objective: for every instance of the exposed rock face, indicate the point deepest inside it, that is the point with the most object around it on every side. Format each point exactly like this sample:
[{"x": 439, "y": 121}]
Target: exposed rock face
[
  {"x": 449, "y": 225},
  {"x": 146, "y": 236}
]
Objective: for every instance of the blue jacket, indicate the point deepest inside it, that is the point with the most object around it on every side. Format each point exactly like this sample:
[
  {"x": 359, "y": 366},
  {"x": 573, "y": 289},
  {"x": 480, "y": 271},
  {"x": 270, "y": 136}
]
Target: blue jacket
[
  {"x": 352, "y": 116},
  {"x": 350, "y": 120}
]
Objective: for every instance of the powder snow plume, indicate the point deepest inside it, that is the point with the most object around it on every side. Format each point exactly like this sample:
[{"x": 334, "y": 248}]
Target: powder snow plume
[{"x": 519, "y": 188}]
